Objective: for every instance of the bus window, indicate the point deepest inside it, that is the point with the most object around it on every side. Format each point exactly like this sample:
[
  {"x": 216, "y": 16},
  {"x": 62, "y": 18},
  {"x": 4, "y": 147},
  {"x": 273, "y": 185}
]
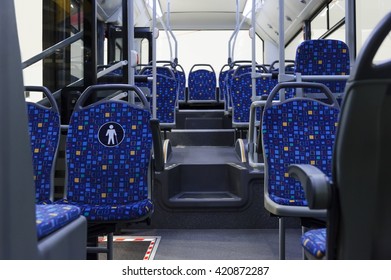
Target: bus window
[
  {"x": 368, "y": 14},
  {"x": 213, "y": 50}
]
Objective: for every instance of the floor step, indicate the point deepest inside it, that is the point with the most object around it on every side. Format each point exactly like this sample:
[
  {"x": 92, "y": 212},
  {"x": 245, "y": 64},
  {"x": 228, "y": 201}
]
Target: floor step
[
  {"x": 201, "y": 137},
  {"x": 205, "y": 197},
  {"x": 202, "y": 119}
]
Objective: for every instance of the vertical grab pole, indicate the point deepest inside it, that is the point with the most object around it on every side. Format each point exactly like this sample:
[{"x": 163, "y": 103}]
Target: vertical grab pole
[
  {"x": 130, "y": 24},
  {"x": 253, "y": 23},
  {"x": 166, "y": 29},
  {"x": 281, "y": 75},
  {"x": 172, "y": 34},
  {"x": 281, "y": 39},
  {"x": 350, "y": 19},
  {"x": 230, "y": 50},
  {"x": 154, "y": 60},
  {"x": 236, "y": 32},
  {"x": 281, "y": 43}
]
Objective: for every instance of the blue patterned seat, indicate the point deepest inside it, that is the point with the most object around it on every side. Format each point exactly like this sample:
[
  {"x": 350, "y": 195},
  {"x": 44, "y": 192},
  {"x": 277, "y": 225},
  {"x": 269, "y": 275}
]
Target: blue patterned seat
[
  {"x": 202, "y": 84},
  {"x": 357, "y": 197},
  {"x": 108, "y": 151},
  {"x": 44, "y": 131},
  {"x": 50, "y": 218},
  {"x": 324, "y": 57},
  {"x": 222, "y": 82},
  {"x": 314, "y": 242},
  {"x": 297, "y": 130},
  {"x": 241, "y": 93},
  {"x": 227, "y": 91},
  {"x": 181, "y": 77},
  {"x": 166, "y": 95}
]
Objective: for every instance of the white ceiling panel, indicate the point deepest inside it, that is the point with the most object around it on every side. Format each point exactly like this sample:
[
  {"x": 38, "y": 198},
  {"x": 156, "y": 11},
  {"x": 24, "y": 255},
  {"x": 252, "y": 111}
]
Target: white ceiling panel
[
  {"x": 208, "y": 21},
  {"x": 199, "y": 14},
  {"x": 221, "y": 14},
  {"x": 296, "y": 11},
  {"x": 185, "y": 6}
]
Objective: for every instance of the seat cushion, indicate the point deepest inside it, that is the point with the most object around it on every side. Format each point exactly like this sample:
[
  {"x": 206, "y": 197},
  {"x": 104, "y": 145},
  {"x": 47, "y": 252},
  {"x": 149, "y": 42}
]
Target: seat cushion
[
  {"x": 314, "y": 242},
  {"x": 121, "y": 212},
  {"x": 51, "y": 217}
]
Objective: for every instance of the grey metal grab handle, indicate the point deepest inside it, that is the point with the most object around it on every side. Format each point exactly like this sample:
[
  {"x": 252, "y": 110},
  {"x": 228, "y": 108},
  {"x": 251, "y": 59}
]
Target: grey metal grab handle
[
  {"x": 258, "y": 66},
  {"x": 91, "y": 89},
  {"x": 326, "y": 91},
  {"x": 203, "y": 65},
  {"x": 47, "y": 94},
  {"x": 150, "y": 67}
]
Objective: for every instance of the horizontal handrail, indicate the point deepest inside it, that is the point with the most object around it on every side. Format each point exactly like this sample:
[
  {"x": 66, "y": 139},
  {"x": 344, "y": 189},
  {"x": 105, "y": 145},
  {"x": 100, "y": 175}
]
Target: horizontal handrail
[{"x": 52, "y": 49}]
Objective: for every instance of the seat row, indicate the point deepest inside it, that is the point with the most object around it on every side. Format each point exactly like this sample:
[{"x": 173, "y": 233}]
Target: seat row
[
  {"x": 328, "y": 165},
  {"x": 314, "y": 57},
  {"x": 108, "y": 152}
]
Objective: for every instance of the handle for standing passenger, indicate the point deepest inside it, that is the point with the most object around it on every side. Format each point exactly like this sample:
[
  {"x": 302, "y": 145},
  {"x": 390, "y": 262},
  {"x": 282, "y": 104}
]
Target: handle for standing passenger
[
  {"x": 91, "y": 89},
  {"x": 322, "y": 87}
]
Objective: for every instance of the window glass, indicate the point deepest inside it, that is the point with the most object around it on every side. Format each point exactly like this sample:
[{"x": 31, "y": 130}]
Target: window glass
[
  {"x": 208, "y": 47},
  {"x": 368, "y": 14},
  {"x": 30, "y": 40},
  {"x": 338, "y": 34},
  {"x": 336, "y": 11},
  {"x": 290, "y": 50},
  {"x": 319, "y": 24}
]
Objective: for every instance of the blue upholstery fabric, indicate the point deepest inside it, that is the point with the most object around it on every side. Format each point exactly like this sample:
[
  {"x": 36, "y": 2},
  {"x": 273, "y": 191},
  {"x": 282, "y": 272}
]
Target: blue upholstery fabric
[
  {"x": 323, "y": 57},
  {"x": 109, "y": 212},
  {"x": 314, "y": 242},
  {"x": 297, "y": 131},
  {"x": 181, "y": 78},
  {"x": 202, "y": 85},
  {"x": 227, "y": 92},
  {"x": 222, "y": 84},
  {"x": 241, "y": 92},
  {"x": 108, "y": 175},
  {"x": 166, "y": 94},
  {"x": 44, "y": 130},
  {"x": 50, "y": 218},
  {"x": 243, "y": 69}
]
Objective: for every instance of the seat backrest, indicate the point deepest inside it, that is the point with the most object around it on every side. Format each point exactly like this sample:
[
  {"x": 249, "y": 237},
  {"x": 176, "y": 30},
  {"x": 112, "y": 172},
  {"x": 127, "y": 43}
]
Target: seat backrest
[
  {"x": 297, "y": 130},
  {"x": 241, "y": 93},
  {"x": 222, "y": 81},
  {"x": 44, "y": 131},
  {"x": 202, "y": 83},
  {"x": 166, "y": 94},
  {"x": 227, "y": 91},
  {"x": 360, "y": 214},
  {"x": 108, "y": 150},
  {"x": 181, "y": 77},
  {"x": 323, "y": 57},
  {"x": 289, "y": 66}
]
